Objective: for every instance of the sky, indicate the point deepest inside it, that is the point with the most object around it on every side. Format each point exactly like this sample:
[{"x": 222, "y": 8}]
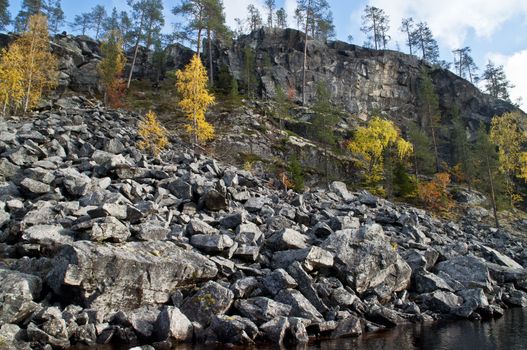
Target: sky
[{"x": 495, "y": 30}]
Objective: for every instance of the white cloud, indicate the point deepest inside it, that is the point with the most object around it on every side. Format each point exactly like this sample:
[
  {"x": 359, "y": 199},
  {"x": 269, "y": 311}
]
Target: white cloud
[
  {"x": 451, "y": 20},
  {"x": 514, "y": 65},
  {"x": 238, "y": 9}
]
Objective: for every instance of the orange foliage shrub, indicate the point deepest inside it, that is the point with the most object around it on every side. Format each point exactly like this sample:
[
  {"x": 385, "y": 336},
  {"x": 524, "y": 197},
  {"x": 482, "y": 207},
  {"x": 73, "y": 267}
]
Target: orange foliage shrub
[{"x": 434, "y": 194}]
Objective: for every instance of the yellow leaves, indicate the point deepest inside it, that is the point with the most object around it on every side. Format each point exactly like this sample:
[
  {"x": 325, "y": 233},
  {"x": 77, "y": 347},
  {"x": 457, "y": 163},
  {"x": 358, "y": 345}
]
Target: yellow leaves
[
  {"x": 111, "y": 68},
  {"x": 195, "y": 99},
  {"x": 153, "y": 135},
  {"x": 508, "y": 133},
  {"x": 28, "y": 68},
  {"x": 371, "y": 144}
]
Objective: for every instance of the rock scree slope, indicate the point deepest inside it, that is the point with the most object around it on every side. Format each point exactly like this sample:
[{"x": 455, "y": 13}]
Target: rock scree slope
[{"x": 101, "y": 244}]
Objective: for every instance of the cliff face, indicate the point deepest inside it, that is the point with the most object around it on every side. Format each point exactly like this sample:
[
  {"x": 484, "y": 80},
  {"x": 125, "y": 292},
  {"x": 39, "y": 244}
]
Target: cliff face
[{"x": 361, "y": 80}]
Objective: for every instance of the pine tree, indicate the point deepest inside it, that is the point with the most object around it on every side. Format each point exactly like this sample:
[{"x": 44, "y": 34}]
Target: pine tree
[
  {"x": 376, "y": 24},
  {"x": 111, "y": 68},
  {"x": 195, "y": 99},
  {"x": 194, "y": 14},
  {"x": 407, "y": 27},
  {"x": 97, "y": 16},
  {"x": 270, "y": 6},
  {"x": 461, "y": 147},
  {"x": 254, "y": 18},
  {"x": 281, "y": 18},
  {"x": 430, "y": 113},
  {"x": 112, "y": 22},
  {"x": 28, "y": 9},
  {"x": 490, "y": 181},
  {"x": 216, "y": 28},
  {"x": 149, "y": 19},
  {"x": 424, "y": 41},
  {"x": 5, "y": 16},
  {"x": 38, "y": 67},
  {"x": 249, "y": 76},
  {"x": 81, "y": 23},
  {"x": 496, "y": 83},
  {"x": 55, "y": 15},
  {"x": 310, "y": 12},
  {"x": 324, "y": 122},
  {"x": 464, "y": 64},
  {"x": 423, "y": 156}
]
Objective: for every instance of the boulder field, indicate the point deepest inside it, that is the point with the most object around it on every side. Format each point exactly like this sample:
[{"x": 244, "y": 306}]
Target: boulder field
[{"x": 101, "y": 244}]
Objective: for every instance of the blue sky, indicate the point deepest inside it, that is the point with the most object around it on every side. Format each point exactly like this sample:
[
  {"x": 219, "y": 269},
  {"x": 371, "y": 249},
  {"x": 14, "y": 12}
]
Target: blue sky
[{"x": 494, "y": 30}]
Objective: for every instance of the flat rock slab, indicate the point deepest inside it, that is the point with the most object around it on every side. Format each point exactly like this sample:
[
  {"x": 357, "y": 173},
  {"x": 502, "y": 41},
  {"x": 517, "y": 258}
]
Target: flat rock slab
[{"x": 123, "y": 277}]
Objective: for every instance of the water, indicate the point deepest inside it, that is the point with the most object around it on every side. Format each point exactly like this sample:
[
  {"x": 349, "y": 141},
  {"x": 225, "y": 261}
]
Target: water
[{"x": 508, "y": 332}]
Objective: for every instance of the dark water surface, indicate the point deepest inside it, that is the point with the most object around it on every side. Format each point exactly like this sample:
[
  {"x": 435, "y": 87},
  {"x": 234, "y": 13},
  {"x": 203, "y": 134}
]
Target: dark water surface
[{"x": 508, "y": 332}]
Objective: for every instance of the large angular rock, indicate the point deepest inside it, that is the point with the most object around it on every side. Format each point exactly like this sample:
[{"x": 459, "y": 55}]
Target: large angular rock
[
  {"x": 441, "y": 301},
  {"x": 426, "y": 282},
  {"x": 262, "y": 309},
  {"x": 34, "y": 187},
  {"x": 470, "y": 271},
  {"x": 109, "y": 229},
  {"x": 499, "y": 258},
  {"x": 287, "y": 239},
  {"x": 17, "y": 292},
  {"x": 312, "y": 258},
  {"x": 196, "y": 226},
  {"x": 212, "y": 299},
  {"x": 277, "y": 280},
  {"x": 233, "y": 330},
  {"x": 47, "y": 234},
  {"x": 142, "y": 273},
  {"x": 211, "y": 243},
  {"x": 348, "y": 327},
  {"x": 368, "y": 261},
  {"x": 301, "y": 307},
  {"x": 172, "y": 324}
]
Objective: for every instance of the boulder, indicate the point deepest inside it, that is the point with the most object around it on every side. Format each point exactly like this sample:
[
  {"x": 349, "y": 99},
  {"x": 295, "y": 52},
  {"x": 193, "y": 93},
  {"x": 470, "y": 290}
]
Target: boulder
[
  {"x": 470, "y": 271},
  {"x": 368, "y": 262},
  {"x": 17, "y": 294},
  {"x": 234, "y": 330},
  {"x": 143, "y": 273},
  {"x": 262, "y": 309},
  {"x": 173, "y": 325},
  {"x": 211, "y": 299},
  {"x": 300, "y": 306}
]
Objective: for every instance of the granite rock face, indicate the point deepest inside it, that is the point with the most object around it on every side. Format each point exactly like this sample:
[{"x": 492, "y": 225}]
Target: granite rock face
[{"x": 112, "y": 246}]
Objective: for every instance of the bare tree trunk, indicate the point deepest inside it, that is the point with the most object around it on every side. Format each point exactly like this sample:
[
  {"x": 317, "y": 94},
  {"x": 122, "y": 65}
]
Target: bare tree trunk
[
  {"x": 30, "y": 78},
  {"x": 133, "y": 63},
  {"x": 209, "y": 41},
  {"x": 135, "y": 52},
  {"x": 492, "y": 193}
]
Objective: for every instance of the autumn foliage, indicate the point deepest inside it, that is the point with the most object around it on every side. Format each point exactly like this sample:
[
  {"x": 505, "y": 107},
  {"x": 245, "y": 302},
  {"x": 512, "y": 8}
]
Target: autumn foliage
[
  {"x": 153, "y": 135},
  {"x": 434, "y": 194},
  {"x": 375, "y": 142},
  {"x": 195, "y": 99},
  {"x": 28, "y": 68},
  {"x": 111, "y": 69}
]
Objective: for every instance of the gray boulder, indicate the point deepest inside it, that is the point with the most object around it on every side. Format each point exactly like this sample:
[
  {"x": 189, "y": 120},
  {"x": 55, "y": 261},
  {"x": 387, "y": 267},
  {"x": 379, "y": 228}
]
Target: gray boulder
[
  {"x": 143, "y": 273},
  {"x": 262, "y": 309},
  {"x": 211, "y": 299},
  {"x": 368, "y": 261}
]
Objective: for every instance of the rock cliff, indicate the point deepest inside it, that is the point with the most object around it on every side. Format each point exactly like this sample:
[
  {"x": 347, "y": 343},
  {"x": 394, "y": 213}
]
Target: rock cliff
[
  {"x": 362, "y": 81},
  {"x": 101, "y": 244}
]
